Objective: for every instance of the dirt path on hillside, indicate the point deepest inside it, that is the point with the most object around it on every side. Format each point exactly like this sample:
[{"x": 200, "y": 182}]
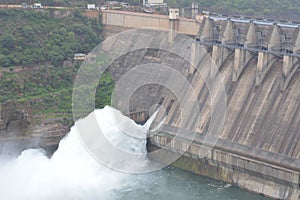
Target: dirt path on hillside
[{"x": 17, "y": 69}]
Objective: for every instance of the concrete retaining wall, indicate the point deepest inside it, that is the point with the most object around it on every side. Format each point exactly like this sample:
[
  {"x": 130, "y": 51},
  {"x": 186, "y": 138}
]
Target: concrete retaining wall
[{"x": 252, "y": 175}]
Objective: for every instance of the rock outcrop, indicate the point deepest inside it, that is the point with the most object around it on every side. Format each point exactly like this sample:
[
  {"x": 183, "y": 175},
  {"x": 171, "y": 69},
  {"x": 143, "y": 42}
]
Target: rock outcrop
[{"x": 20, "y": 129}]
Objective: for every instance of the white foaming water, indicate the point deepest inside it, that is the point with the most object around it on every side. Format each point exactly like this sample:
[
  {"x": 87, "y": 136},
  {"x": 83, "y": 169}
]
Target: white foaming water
[{"x": 71, "y": 173}]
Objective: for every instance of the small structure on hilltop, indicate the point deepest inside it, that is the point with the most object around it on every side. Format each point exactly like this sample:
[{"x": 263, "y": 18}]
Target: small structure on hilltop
[
  {"x": 113, "y": 5},
  {"x": 24, "y": 5},
  {"x": 173, "y": 13},
  {"x": 154, "y": 3},
  {"x": 124, "y": 4},
  {"x": 91, "y": 6},
  {"x": 37, "y": 5},
  {"x": 195, "y": 10},
  {"x": 79, "y": 56}
]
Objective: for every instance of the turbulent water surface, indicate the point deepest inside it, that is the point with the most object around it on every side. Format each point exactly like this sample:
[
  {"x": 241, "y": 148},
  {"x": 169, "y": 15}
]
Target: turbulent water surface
[{"x": 72, "y": 173}]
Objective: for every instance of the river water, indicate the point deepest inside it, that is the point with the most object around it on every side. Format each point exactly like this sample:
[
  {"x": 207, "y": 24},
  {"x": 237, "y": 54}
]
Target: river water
[{"x": 73, "y": 174}]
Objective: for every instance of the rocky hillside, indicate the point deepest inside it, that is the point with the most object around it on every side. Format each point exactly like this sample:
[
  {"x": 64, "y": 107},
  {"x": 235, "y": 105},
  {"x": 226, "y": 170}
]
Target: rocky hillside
[
  {"x": 37, "y": 103},
  {"x": 37, "y": 74}
]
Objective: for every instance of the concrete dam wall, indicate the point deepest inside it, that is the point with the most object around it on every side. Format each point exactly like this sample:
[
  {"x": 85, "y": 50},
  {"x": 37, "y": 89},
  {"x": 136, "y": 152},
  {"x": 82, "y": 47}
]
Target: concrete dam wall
[
  {"x": 258, "y": 148},
  {"x": 142, "y": 20}
]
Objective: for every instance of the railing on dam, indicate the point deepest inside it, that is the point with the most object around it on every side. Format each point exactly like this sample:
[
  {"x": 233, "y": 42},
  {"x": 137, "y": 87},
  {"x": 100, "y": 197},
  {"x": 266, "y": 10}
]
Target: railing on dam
[{"x": 255, "y": 49}]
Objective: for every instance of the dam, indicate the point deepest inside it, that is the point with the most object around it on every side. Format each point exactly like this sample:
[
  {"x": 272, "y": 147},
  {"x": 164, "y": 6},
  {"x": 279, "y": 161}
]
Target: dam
[
  {"x": 258, "y": 147},
  {"x": 227, "y": 96}
]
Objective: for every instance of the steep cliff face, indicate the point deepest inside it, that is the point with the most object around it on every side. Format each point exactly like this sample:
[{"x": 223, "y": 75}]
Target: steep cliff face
[
  {"x": 20, "y": 129},
  {"x": 14, "y": 120}
]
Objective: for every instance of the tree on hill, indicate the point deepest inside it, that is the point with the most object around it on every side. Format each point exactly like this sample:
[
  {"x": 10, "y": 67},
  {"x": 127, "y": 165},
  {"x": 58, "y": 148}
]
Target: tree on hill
[{"x": 36, "y": 37}]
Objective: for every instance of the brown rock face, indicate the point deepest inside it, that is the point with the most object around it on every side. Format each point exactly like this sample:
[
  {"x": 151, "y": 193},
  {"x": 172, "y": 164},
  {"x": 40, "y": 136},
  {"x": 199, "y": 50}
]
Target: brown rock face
[
  {"x": 14, "y": 120},
  {"x": 20, "y": 130}
]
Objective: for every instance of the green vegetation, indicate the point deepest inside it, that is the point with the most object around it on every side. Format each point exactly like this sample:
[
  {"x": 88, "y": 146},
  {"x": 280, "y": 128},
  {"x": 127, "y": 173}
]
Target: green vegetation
[
  {"x": 33, "y": 47},
  {"x": 104, "y": 90},
  {"x": 277, "y": 8},
  {"x": 273, "y": 8},
  {"x": 77, "y": 3},
  {"x": 30, "y": 37},
  {"x": 48, "y": 90}
]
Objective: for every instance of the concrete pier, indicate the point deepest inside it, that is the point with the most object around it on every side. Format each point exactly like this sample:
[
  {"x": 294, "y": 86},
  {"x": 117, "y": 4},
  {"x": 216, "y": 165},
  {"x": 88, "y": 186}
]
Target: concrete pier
[
  {"x": 241, "y": 59},
  {"x": 219, "y": 55},
  {"x": 264, "y": 63}
]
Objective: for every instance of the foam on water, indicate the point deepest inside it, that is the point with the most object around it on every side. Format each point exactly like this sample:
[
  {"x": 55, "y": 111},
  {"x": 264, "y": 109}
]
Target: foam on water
[{"x": 71, "y": 173}]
